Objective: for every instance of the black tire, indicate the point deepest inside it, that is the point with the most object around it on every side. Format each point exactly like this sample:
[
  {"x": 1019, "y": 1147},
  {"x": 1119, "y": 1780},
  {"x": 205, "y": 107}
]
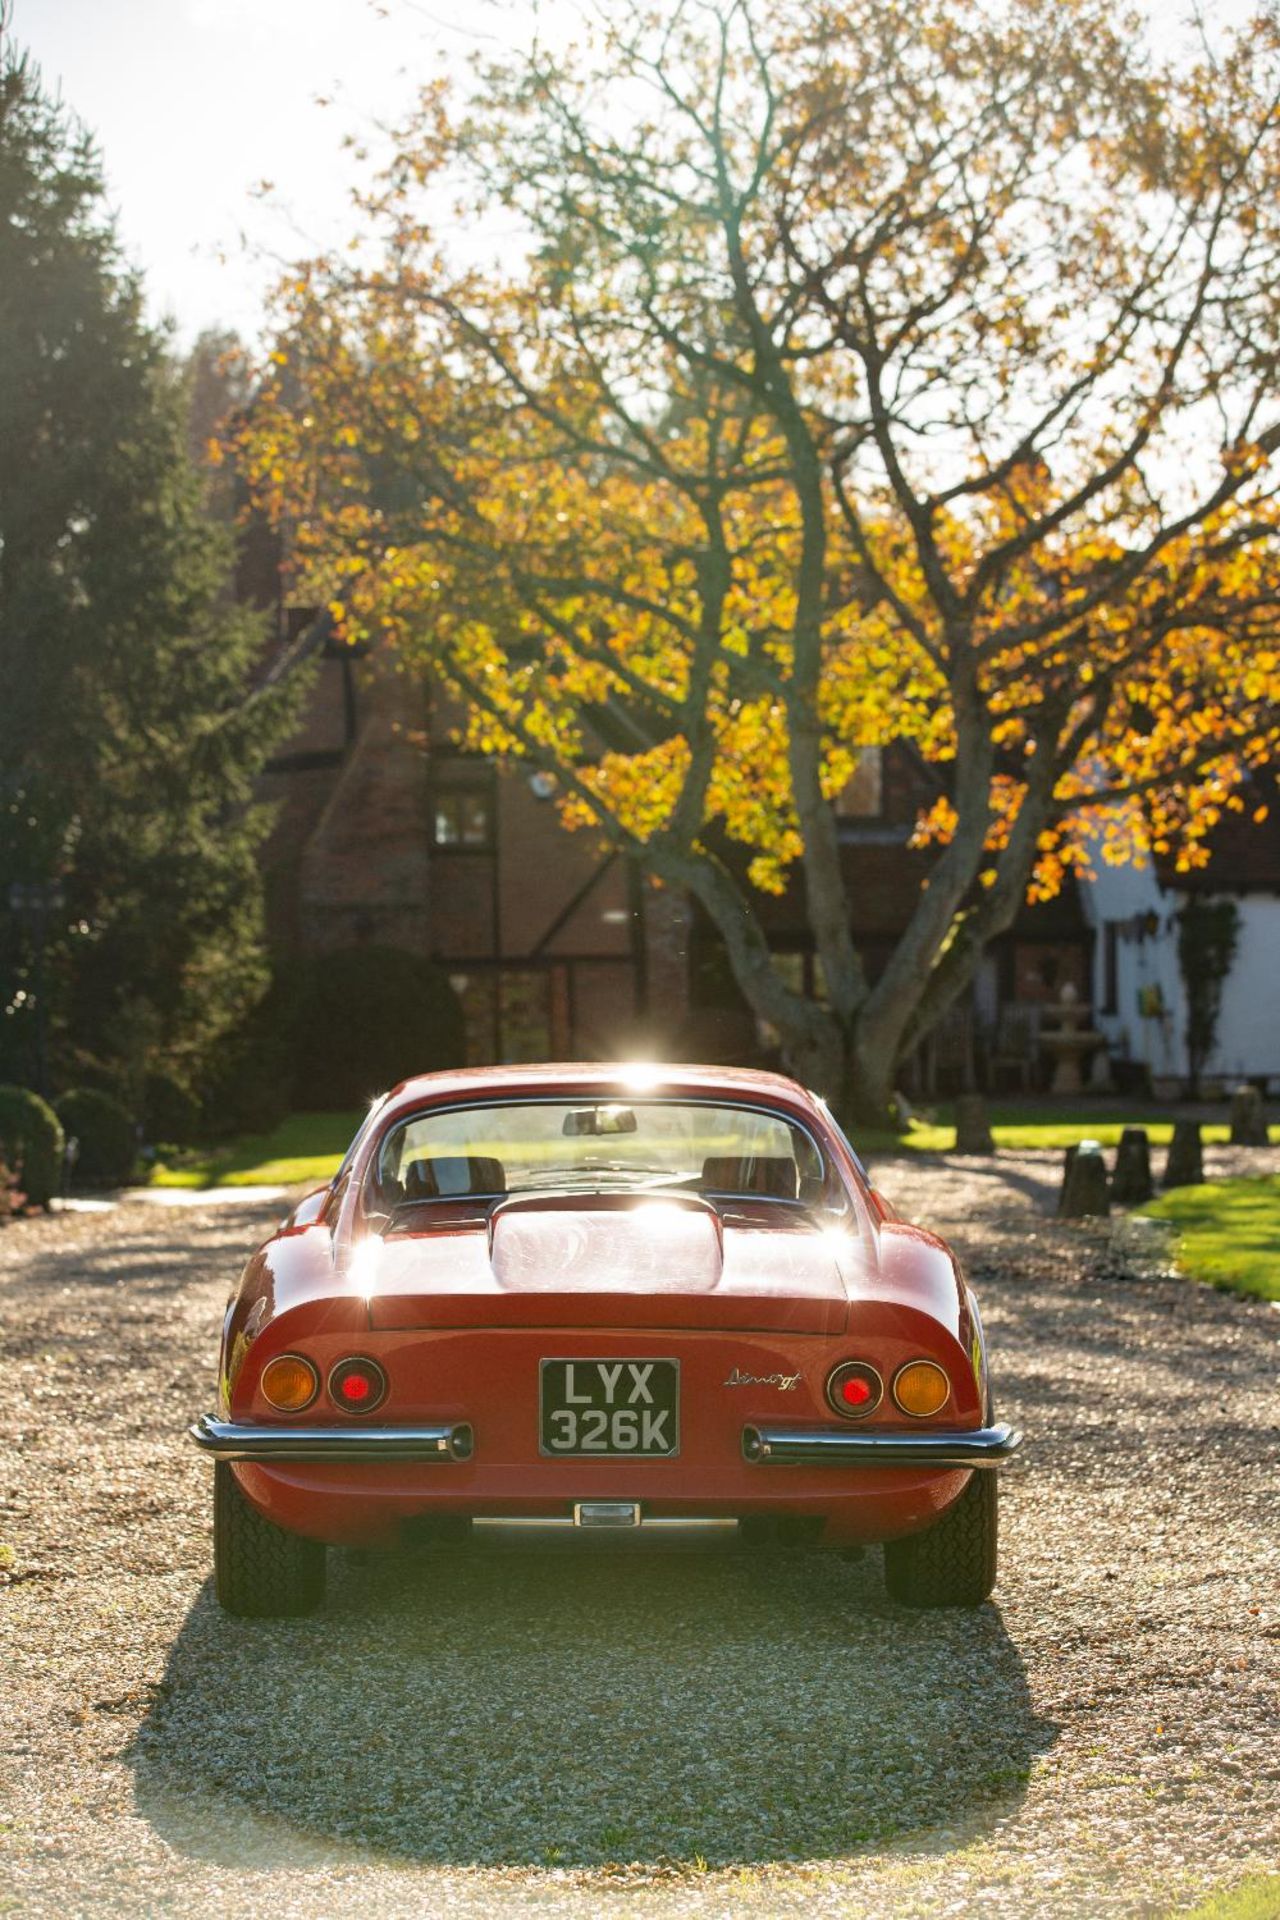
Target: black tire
[
  {"x": 953, "y": 1563},
  {"x": 260, "y": 1571}
]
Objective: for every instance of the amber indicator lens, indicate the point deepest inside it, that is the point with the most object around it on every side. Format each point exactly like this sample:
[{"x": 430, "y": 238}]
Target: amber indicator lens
[
  {"x": 290, "y": 1383},
  {"x": 921, "y": 1388},
  {"x": 855, "y": 1389},
  {"x": 357, "y": 1384}
]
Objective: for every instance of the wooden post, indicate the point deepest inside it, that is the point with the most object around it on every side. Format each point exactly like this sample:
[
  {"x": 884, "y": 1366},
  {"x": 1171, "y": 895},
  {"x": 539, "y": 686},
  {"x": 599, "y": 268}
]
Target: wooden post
[
  {"x": 1131, "y": 1182},
  {"x": 1248, "y": 1118},
  {"x": 973, "y": 1132},
  {"x": 1084, "y": 1183},
  {"x": 1185, "y": 1164}
]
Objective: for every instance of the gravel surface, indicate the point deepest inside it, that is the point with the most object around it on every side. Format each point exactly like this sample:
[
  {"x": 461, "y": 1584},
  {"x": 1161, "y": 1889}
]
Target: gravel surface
[{"x": 589, "y": 1725}]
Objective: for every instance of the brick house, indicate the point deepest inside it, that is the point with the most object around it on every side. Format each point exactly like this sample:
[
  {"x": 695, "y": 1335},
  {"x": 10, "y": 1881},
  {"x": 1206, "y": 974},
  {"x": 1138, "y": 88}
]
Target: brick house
[
  {"x": 558, "y": 948},
  {"x": 386, "y": 834}
]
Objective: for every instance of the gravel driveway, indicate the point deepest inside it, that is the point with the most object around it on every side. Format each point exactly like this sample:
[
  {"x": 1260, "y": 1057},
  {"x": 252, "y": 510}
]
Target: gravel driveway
[{"x": 686, "y": 1732}]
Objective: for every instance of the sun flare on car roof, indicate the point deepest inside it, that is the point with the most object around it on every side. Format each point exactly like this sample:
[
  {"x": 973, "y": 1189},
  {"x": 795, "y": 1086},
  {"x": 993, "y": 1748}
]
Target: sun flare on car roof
[{"x": 641, "y": 1076}]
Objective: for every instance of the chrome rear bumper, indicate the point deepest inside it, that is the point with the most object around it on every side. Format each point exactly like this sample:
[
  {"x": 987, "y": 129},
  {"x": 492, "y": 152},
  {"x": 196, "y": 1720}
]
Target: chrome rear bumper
[
  {"x": 837, "y": 1447},
  {"x": 238, "y": 1440}
]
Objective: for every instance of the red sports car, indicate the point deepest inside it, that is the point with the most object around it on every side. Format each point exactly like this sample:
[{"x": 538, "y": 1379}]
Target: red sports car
[{"x": 605, "y": 1297}]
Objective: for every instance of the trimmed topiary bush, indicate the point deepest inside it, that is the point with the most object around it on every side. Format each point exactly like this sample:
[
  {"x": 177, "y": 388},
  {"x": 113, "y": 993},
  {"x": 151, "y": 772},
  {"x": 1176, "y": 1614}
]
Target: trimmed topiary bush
[
  {"x": 32, "y": 1140},
  {"x": 369, "y": 1017},
  {"x": 106, "y": 1133}
]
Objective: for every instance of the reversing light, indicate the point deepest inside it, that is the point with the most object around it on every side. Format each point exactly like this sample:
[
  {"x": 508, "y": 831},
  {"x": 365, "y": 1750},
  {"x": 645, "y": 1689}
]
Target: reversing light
[
  {"x": 290, "y": 1383},
  {"x": 855, "y": 1390},
  {"x": 921, "y": 1388},
  {"x": 357, "y": 1385}
]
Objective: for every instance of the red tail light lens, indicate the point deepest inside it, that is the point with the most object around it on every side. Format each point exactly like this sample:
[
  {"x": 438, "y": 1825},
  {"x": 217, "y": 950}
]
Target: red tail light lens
[
  {"x": 855, "y": 1389},
  {"x": 357, "y": 1385}
]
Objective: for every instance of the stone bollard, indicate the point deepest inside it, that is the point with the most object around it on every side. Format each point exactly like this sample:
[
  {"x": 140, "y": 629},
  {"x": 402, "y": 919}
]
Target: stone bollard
[
  {"x": 1248, "y": 1118},
  {"x": 1131, "y": 1182},
  {"x": 1185, "y": 1164},
  {"x": 973, "y": 1132},
  {"x": 1084, "y": 1183}
]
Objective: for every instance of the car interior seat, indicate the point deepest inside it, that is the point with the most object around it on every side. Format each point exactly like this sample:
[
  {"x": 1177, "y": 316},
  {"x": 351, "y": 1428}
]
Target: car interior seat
[{"x": 758, "y": 1173}]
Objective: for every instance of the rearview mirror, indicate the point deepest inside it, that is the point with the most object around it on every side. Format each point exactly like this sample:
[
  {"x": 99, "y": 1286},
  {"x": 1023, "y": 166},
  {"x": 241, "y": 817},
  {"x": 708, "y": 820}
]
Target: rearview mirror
[{"x": 594, "y": 1120}]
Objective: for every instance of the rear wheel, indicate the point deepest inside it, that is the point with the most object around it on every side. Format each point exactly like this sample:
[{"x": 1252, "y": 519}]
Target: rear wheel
[
  {"x": 260, "y": 1570},
  {"x": 953, "y": 1563}
]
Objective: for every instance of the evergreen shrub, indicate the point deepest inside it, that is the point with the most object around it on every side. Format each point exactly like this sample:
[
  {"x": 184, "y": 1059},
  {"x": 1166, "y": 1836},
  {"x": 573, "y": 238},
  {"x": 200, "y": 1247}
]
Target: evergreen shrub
[
  {"x": 249, "y": 1088},
  {"x": 106, "y": 1133},
  {"x": 32, "y": 1140},
  {"x": 369, "y": 1017},
  {"x": 169, "y": 1111}
]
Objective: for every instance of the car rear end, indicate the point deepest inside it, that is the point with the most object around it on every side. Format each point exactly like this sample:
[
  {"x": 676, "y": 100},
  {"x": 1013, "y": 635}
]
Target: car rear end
[
  {"x": 530, "y": 1422},
  {"x": 577, "y": 1310}
]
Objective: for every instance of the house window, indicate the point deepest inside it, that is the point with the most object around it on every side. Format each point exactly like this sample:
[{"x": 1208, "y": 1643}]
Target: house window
[
  {"x": 462, "y": 819},
  {"x": 803, "y": 974},
  {"x": 863, "y": 797}
]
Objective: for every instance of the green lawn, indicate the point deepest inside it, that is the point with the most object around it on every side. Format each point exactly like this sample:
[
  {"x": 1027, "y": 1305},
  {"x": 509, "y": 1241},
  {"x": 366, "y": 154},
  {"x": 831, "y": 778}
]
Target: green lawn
[
  {"x": 303, "y": 1150},
  {"x": 1228, "y": 1234},
  {"x": 1020, "y": 1124},
  {"x": 1255, "y": 1899}
]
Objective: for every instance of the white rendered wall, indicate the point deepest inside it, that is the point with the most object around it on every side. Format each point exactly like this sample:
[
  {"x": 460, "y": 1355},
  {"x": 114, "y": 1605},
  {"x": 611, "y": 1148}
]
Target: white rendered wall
[
  {"x": 1125, "y": 894},
  {"x": 1248, "y": 1038},
  {"x": 1248, "y": 1042}
]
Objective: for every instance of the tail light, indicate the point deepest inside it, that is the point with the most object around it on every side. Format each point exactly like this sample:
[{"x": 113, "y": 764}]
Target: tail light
[
  {"x": 921, "y": 1388},
  {"x": 289, "y": 1383},
  {"x": 357, "y": 1385},
  {"x": 855, "y": 1390}
]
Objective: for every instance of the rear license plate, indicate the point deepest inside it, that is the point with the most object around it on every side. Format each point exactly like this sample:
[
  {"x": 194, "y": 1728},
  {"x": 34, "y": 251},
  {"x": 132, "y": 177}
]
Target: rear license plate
[{"x": 609, "y": 1407}]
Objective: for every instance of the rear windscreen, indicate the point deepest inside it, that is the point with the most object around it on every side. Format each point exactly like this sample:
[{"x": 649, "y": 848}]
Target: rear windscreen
[{"x": 528, "y": 1146}]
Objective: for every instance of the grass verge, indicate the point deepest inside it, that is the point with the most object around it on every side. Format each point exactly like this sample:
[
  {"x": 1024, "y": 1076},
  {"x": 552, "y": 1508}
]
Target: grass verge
[
  {"x": 305, "y": 1148},
  {"x": 1029, "y": 1127},
  {"x": 1229, "y": 1235},
  {"x": 1257, "y": 1898}
]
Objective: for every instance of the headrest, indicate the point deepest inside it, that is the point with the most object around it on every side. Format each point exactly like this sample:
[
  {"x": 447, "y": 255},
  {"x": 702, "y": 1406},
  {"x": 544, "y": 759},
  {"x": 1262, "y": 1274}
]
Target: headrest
[
  {"x": 445, "y": 1174},
  {"x": 773, "y": 1174}
]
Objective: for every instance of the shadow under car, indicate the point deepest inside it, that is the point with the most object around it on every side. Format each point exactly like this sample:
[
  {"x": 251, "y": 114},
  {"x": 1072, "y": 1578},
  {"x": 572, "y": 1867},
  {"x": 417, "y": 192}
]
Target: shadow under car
[{"x": 567, "y": 1703}]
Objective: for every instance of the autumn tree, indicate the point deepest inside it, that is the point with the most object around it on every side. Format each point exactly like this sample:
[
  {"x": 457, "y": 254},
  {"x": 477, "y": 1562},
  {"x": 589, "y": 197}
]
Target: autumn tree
[{"x": 845, "y": 375}]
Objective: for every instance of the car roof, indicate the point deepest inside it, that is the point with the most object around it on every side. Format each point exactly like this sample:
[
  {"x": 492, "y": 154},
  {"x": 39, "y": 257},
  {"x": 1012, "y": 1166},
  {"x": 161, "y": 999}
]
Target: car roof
[{"x": 591, "y": 1076}]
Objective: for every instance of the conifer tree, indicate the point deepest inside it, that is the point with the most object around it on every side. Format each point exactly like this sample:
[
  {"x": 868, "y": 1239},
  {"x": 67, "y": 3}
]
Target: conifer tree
[{"x": 129, "y": 732}]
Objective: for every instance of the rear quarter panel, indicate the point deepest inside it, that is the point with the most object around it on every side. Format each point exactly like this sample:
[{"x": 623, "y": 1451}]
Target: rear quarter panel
[{"x": 288, "y": 1292}]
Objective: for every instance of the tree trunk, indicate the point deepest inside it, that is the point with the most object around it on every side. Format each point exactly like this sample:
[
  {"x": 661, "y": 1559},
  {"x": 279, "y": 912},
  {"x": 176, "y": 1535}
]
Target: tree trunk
[
  {"x": 867, "y": 1097},
  {"x": 856, "y": 1079}
]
